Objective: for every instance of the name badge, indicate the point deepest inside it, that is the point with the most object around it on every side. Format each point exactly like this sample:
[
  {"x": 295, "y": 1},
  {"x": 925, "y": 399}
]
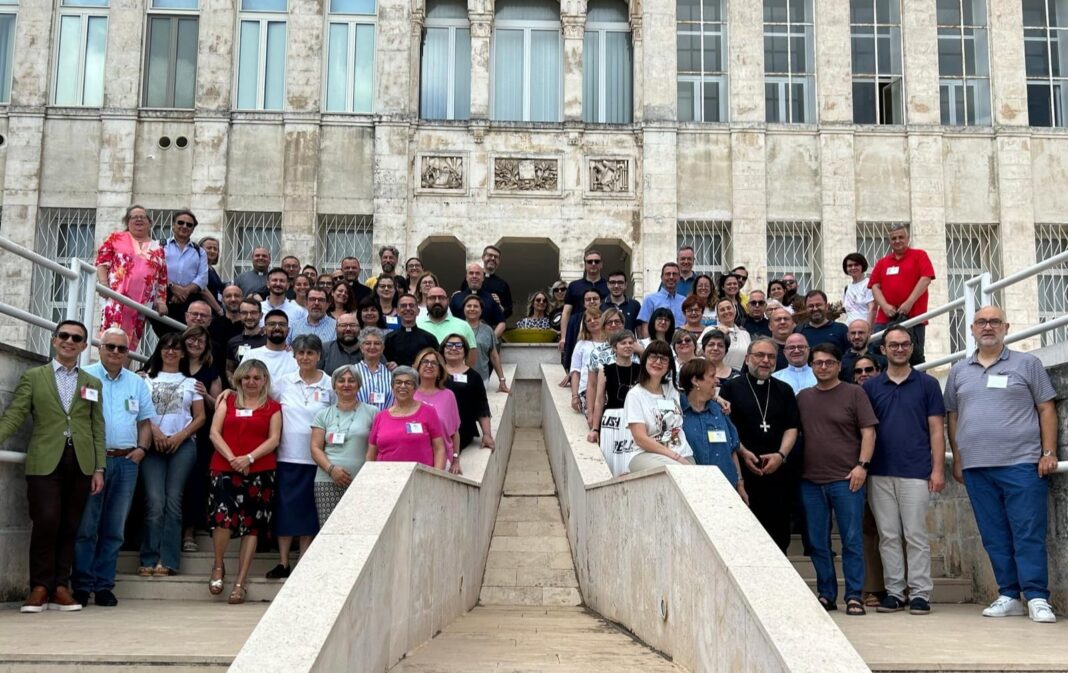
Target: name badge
[
  {"x": 378, "y": 398},
  {"x": 242, "y": 351},
  {"x": 93, "y": 395},
  {"x": 133, "y": 406},
  {"x": 244, "y": 413},
  {"x": 717, "y": 436},
  {"x": 321, "y": 396},
  {"x": 391, "y": 320},
  {"x": 997, "y": 381},
  {"x": 459, "y": 378},
  {"x": 413, "y": 428},
  {"x": 665, "y": 405},
  {"x": 893, "y": 270},
  {"x": 335, "y": 438}
]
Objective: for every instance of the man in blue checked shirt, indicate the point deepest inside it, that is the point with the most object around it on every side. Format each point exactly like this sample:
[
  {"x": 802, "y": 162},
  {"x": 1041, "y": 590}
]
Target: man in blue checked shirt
[
  {"x": 712, "y": 436},
  {"x": 127, "y": 407}
]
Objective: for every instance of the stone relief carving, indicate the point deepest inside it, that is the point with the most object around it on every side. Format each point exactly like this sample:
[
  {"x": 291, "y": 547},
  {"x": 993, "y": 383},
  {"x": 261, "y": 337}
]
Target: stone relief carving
[
  {"x": 442, "y": 173},
  {"x": 526, "y": 175},
  {"x": 610, "y": 175}
]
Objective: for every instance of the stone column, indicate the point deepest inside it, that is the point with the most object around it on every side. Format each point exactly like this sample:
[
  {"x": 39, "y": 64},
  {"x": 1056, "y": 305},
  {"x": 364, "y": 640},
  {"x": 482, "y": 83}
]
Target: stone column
[
  {"x": 919, "y": 28},
  {"x": 745, "y": 58},
  {"x": 749, "y": 199},
  {"x": 928, "y": 229},
  {"x": 638, "y": 73},
  {"x": 659, "y": 88},
  {"x": 304, "y": 57},
  {"x": 837, "y": 206},
  {"x": 574, "y": 27},
  {"x": 481, "y": 30},
  {"x": 1017, "y": 228},
  {"x": 393, "y": 69},
  {"x": 833, "y": 67},
  {"x": 392, "y": 187},
  {"x": 1007, "y": 73}
]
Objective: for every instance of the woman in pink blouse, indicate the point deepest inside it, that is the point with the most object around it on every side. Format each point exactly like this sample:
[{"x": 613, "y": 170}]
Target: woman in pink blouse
[
  {"x": 409, "y": 430},
  {"x": 132, "y": 264},
  {"x": 432, "y": 391}
]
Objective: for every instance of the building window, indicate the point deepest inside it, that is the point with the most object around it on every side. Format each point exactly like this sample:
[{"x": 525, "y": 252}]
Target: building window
[
  {"x": 245, "y": 231},
  {"x": 83, "y": 38},
  {"x": 875, "y": 26},
  {"x": 789, "y": 61},
  {"x": 527, "y": 56},
  {"x": 873, "y": 240},
  {"x": 341, "y": 236},
  {"x": 1052, "y": 240},
  {"x": 797, "y": 248},
  {"x": 711, "y": 243},
  {"x": 1045, "y": 27},
  {"x": 171, "y": 55},
  {"x": 607, "y": 64},
  {"x": 963, "y": 65},
  {"x": 971, "y": 249},
  {"x": 261, "y": 60},
  {"x": 702, "y": 47},
  {"x": 8, "y": 12},
  {"x": 350, "y": 56},
  {"x": 61, "y": 235},
  {"x": 445, "y": 81}
]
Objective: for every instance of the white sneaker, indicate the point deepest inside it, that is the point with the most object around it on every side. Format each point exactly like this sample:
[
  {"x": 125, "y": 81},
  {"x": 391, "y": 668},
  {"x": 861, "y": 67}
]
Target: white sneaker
[
  {"x": 1040, "y": 611},
  {"x": 1005, "y": 607}
]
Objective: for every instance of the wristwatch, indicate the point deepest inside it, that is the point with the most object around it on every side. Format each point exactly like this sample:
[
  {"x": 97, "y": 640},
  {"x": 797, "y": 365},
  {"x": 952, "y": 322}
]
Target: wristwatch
[
  {"x": 251, "y": 459},
  {"x": 1047, "y": 454},
  {"x": 864, "y": 464}
]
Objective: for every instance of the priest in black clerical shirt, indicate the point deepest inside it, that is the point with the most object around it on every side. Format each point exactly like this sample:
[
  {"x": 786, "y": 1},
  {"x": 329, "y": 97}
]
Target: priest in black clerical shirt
[{"x": 765, "y": 412}]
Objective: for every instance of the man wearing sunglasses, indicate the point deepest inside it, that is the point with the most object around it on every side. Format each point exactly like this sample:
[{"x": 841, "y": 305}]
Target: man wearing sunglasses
[
  {"x": 187, "y": 266},
  {"x": 756, "y": 323},
  {"x": 65, "y": 461},
  {"x": 127, "y": 406}
]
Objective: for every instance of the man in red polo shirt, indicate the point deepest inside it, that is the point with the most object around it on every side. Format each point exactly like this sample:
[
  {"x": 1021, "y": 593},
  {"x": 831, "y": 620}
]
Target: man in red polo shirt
[{"x": 899, "y": 284}]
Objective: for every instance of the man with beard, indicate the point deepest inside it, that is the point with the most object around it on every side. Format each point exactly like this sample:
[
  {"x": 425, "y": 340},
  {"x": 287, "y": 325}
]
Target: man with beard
[
  {"x": 350, "y": 271},
  {"x": 388, "y": 257},
  {"x": 475, "y": 285},
  {"x": 254, "y": 281},
  {"x": 251, "y": 335},
  {"x": 316, "y": 321},
  {"x": 756, "y": 323},
  {"x": 438, "y": 321},
  {"x": 405, "y": 342},
  {"x": 819, "y": 329},
  {"x": 275, "y": 354},
  {"x": 277, "y": 286},
  {"x": 500, "y": 293},
  {"x": 345, "y": 348},
  {"x": 764, "y": 410},
  {"x": 858, "y": 334},
  {"x": 227, "y": 325},
  {"x": 291, "y": 265}
]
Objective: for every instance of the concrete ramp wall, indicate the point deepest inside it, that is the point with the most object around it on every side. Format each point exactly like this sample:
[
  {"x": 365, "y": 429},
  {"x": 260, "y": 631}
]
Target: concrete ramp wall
[
  {"x": 674, "y": 556},
  {"x": 402, "y": 556}
]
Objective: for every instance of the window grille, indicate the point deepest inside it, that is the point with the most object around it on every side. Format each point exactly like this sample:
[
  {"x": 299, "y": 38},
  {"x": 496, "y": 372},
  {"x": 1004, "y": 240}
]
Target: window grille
[
  {"x": 711, "y": 243},
  {"x": 246, "y": 230},
  {"x": 873, "y": 241},
  {"x": 1050, "y": 240},
  {"x": 161, "y": 223},
  {"x": 971, "y": 249},
  {"x": 797, "y": 248},
  {"x": 340, "y": 236},
  {"x": 62, "y": 233}
]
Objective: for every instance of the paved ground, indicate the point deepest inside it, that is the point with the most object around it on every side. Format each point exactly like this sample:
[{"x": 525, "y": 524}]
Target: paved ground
[
  {"x": 533, "y": 640},
  {"x": 956, "y": 638}
]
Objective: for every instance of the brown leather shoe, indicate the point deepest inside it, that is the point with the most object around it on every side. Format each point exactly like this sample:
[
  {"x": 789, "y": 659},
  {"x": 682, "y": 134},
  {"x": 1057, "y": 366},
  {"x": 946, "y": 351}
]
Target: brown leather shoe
[
  {"x": 36, "y": 601},
  {"x": 63, "y": 601}
]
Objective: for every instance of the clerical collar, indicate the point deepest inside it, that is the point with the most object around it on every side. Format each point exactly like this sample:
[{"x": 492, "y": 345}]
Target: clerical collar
[
  {"x": 759, "y": 382},
  {"x": 798, "y": 369}
]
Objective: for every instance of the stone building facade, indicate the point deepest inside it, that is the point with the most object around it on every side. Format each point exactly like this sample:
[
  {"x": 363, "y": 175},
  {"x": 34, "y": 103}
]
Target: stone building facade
[{"x": 296, "y": 132}]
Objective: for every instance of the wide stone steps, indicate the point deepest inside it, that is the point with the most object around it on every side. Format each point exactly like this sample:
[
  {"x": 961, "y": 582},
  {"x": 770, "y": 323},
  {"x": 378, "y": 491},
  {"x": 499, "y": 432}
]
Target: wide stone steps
[{"x": 201, "y": 562}]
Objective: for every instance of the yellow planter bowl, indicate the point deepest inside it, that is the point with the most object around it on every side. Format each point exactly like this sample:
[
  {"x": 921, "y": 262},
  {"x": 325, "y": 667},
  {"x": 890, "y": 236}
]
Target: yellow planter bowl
[{"x": 529, "y": 335}]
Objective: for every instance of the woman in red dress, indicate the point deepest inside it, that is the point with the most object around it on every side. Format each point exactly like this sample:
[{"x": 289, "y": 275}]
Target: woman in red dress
[
  {"x": 246, "y": 431},
  {"x": 132, "y": 264}
]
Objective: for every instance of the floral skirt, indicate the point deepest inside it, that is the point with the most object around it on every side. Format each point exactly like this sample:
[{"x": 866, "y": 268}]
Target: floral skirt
[{"x": 241, "y": 503}]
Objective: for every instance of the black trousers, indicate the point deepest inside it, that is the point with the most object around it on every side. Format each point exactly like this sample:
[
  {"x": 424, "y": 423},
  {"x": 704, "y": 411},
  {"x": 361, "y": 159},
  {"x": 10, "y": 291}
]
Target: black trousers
[
  {"x": 771, "y": 499},
  {"x": 56, "y": 502}
]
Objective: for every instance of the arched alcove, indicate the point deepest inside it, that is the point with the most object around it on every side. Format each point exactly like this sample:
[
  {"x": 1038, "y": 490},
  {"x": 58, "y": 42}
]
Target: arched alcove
[
  {"x": 446, "y": 257},
  {"x": 616, "y": 255},
  {"x": 528, "y": 264}
]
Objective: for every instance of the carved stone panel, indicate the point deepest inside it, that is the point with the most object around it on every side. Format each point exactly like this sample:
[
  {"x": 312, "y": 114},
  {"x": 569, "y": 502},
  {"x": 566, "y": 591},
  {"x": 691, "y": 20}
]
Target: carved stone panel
[
  {"x": 526, "y": 175},
  {"x": 610, "y": 176},
  {"x": 442, "y": 172}
]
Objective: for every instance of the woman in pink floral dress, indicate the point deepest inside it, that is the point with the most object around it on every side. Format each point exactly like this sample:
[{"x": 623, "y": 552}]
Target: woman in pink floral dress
[{"x": 132, "y": 264}]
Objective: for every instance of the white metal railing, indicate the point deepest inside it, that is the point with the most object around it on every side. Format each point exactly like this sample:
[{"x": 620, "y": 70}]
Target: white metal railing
[{"x": 82, "y": 292}]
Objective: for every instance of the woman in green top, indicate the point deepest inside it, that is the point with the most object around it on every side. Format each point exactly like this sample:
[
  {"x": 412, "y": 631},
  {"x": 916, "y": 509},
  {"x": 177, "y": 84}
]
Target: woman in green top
[{"x": 339, "y": 440}]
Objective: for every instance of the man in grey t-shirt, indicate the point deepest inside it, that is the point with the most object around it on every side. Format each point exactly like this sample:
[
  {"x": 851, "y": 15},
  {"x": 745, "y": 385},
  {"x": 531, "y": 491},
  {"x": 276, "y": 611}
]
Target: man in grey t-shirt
[{"x": 1003, "y": 434}]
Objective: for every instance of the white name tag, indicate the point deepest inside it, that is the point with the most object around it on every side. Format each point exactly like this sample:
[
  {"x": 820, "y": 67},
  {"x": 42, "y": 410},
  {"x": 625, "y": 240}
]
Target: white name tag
[
  {"x": 717, "y": 436},
  {"x": 459, "y": 378},
  {"x": 378, "y": 398},
  {"x": 133, "y": 406},
  {"x": 997, "y": 381},
  {"x": 244, "y": 413},
  {"x": 321, "y": 396},
  {"x": 335, "y": 438},
  {"x": 391, "y": 320},
  {"x": 665, "y": 405},
  {"x": 413, "y": 428},
  {"x": 90, "y": 394},
  {"x": 893, "y": 270}
]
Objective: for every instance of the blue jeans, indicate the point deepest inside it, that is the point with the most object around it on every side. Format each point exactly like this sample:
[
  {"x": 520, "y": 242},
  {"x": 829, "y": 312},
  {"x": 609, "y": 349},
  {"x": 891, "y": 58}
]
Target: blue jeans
[
  {"x": 1010, "y": 506},
  {"x": 848, "y": 507},
  {"x": 165, "y": 475},
  {"x": 100, "y": 535}
]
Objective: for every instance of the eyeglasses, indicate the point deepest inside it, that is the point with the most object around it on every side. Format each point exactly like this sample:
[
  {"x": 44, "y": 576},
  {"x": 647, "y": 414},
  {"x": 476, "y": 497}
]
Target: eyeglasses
[
  {"x": 992, "y": 322},
  {"x": 115, "y": 348},
  {"x": 559, "y": 289},
  {"x": 790, "y": 283},
  {"x": 795, "y": 348},
  {"x": 204, "y": 316},
  {"x": 453, "y": 345},
  {"x": 899, "y": 347},
  {"x": 64, "y": 336},
  {"x": 823, "y": 364},
  {"x": 662, "y": 359},
  {"x": 757, "y": 302},
  {"x": 196, "y": 339},
  {"x": 614, "y": 321},
  {"x": 428, "y": 363},
  {"x": 617, "y": 282},
  {"x": 276, "y": 325},
  {"x": 174, "y": 347},
  {"x": 684, "y": 341},
  {"x": 183, "y": 223},
  {"x": 403, "y": 383},
  {"x": 539, "y": 300},
  {"x": 864, "y": 370},
  {"x": 694, "y": 309},
  {"x": 762, "y": 356},
  {"x": 593, "y": 261}
]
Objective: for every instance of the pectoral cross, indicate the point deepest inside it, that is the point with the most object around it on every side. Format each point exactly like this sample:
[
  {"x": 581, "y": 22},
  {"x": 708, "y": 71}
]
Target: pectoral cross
[{"x": 764, "y": 426}]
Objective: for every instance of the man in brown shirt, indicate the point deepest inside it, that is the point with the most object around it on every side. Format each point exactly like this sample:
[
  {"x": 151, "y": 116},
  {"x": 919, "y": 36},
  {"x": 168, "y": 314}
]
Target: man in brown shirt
[{"x": 839, "y": 419}]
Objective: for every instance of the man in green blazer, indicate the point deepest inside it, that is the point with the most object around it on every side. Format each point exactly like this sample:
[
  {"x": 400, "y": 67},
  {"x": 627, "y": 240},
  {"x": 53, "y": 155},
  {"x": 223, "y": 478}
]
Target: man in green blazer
[{"x": 65, "y": 461}]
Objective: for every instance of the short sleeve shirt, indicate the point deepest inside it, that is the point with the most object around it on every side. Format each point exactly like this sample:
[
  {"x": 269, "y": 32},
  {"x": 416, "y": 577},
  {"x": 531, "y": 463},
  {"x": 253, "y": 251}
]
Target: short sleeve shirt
[
  {"x": 661, "y": 415},
  {"x": 897, "y": 279},
  {"x": 903, "y": 443},
  {"x": 832, "y": 421}
]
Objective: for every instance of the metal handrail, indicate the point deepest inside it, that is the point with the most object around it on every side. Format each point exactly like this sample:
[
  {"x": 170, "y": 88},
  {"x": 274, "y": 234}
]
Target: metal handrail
[{"x": 1062, "y": 465}]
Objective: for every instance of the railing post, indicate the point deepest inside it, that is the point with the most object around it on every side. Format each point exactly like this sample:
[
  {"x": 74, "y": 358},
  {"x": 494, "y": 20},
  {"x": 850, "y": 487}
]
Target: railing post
[
  {"x": 969, "y": 316},
  {"x": 74, "y": 286},
  {"x": 986, "y": 296},
  {"x": 88, "y": 279}
]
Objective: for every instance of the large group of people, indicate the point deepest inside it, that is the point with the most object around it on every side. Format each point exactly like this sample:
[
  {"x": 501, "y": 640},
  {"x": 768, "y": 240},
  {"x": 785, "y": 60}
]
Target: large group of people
[{"x": 255, "y": 419}]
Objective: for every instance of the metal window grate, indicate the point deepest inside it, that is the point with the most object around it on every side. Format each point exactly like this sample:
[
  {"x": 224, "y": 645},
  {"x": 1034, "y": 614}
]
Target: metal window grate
[
  {"x": 340, "y": 236},
  {"x": 873, "y": 240},
  {"x": 797, "y": 248},
  {"x": 246, "y": 230},
  {"x": 711, "y": 242},
  {"x": 971, "y": 249},
  {"x": 62, "y": 233},
  {"x": 1050, "y": 240},
  {"x": 161, "y": 223}
]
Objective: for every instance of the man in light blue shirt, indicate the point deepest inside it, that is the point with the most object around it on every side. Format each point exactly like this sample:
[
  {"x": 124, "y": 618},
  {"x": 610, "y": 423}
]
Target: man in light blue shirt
[
  {"x": 666, "y": 297},
  {"x": 187, "y": 263},
  {"x": 316, "y": 321},
  {"x": 798, "y": 374},
  {"x": 127, "y": 407}
]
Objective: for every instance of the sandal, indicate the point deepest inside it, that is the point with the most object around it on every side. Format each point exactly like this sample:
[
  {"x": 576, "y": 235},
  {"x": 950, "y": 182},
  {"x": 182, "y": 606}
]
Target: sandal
[
  {"x": 872, "y": 599},
  {"x": 237, "y": 596},
  {"x": 163, "y": 571},
  {"x": 215, "y": 584},
  {"x": 144, "y": 571},
  {"x": 827, "y": 604},
  {"x": 855, "y": 607},
  {"x": 189, "y": 545}
]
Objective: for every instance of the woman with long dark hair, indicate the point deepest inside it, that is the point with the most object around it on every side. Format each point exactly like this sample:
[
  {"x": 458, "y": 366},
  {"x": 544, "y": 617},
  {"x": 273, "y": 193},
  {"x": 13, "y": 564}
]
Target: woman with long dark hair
[{"x": 652, "y": 412}]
